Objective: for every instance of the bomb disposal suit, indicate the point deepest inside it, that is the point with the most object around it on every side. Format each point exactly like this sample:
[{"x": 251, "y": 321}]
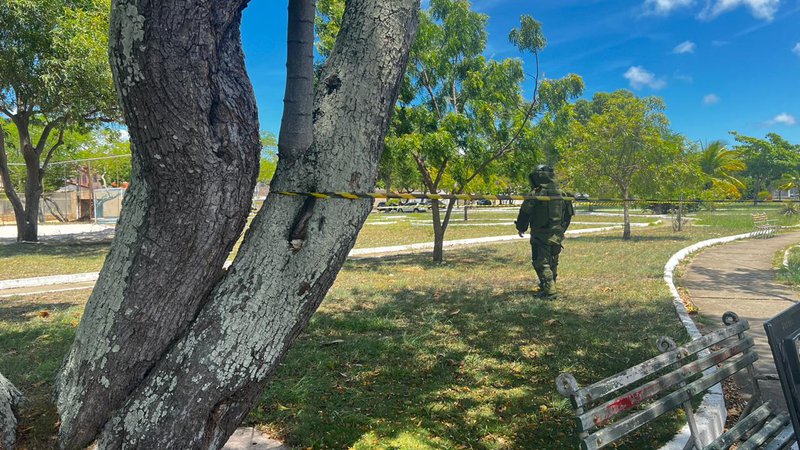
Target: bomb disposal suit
[{"x": 548, "y": 220}]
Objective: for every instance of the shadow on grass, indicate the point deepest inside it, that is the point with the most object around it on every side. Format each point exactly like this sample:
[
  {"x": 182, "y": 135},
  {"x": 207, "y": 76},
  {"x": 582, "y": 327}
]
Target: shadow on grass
[
  {"x": 18, "y": 312},
  {"x": 466, "y": 367},
  {"x": 30, "y": 356}
]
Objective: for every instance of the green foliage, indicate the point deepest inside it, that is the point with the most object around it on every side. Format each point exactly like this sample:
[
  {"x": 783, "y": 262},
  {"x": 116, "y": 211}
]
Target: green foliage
[
  {"x": 327, "y": 24},
  {"x": 766, "y": 159},
  {"x": 622, "y": 145},
  {"x": 718, "y": 165},
  {"x": 269, "y": 157},
  {"x": 529, "y": 36},
  {"x": 53, "y": 59},
  {"x": 78, "y": 144}
]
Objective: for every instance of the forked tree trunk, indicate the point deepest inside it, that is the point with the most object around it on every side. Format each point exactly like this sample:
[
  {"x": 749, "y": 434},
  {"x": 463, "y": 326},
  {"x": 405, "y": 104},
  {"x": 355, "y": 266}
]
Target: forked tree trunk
[
  {"x": 172, "y": 351},
  {"x": 440, "y": 228}
]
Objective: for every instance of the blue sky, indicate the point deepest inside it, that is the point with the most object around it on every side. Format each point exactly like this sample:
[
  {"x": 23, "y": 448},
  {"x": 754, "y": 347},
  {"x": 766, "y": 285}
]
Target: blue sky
[{"x": 720, "y": 65}]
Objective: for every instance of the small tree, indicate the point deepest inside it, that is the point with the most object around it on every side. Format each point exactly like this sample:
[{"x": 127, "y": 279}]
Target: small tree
[
  {"x": 54, "y": 75},
  {"x": 623, "y": 143},
  {"x": 466, "y": 113},
  {"x": 719, "y": 166}
]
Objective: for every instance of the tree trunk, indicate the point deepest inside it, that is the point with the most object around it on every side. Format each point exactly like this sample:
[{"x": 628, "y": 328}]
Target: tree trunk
[
  {"x": 10, "y": 399},
  {"x": 626, "y": 217},
  {"x": 191, "y": 114},
  {"x": 8, "y": 187},
  {"x": 28, "y": 228},
  {"x": 172, "y": 352},
  {"x": 439, "y": 229},
  {"x": 26, "y": 214}
]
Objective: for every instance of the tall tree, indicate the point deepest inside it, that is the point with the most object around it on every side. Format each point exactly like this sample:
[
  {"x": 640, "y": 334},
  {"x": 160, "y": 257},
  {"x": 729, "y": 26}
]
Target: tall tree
[
  {"x": 766, "y": 159},
  {"x": 467, "y": 112},
  {"x": 173, "y": 350},
  {"x": 622, "y": 142},
  {"x": 54, "y": 75}
]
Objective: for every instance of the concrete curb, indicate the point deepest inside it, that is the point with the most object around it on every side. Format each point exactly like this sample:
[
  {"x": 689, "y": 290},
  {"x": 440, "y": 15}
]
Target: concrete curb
[
  {"x": 375, "y": 251},
  {"x": 786, "y": 255},
  {"x": 711, "y": 414},
  {"x": 48, "y": 281}
]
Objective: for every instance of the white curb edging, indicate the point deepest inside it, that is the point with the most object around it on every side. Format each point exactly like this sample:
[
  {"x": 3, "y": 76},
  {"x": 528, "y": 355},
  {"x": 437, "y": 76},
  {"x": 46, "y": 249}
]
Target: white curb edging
[
  {"x": 48, "y": 281},
  {"x": 786, "y": 255},
  {"x": 711, "y": 414}
]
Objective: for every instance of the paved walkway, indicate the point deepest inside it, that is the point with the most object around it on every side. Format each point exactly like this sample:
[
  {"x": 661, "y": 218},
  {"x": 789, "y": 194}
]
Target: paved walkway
[{"x": 739, "y": 277}]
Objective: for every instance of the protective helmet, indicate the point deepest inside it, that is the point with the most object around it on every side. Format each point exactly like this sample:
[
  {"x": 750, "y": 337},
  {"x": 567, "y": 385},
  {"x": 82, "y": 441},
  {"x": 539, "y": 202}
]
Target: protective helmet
[{"x": 542, "y": 175}]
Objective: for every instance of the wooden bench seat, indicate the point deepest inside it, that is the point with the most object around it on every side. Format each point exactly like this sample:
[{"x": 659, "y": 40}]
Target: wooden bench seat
[{"x": 611, "y": 409}]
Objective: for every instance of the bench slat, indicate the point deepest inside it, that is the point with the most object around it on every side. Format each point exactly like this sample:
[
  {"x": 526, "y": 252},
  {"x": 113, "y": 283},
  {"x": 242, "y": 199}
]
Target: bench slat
[
  {"x": 767, "y": 431},
  {"x": 672, "y": 401},
  {"x": 600, "y": 415},
  {"x": 614, "y": 383},
  {"x": 741, "y": 428},
  {"x": 783, "y": 439}
]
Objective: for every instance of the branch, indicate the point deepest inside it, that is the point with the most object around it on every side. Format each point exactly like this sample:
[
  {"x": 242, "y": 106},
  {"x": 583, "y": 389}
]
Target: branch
[
  {"x": 46, "y": 135},
  {"x": 440, "y": 173},
  {"x": 529, "y": 113},
  {"x": 426, "y": 176},
  {"x": 52, "y": 151},
  {"x": 506, "y": 148},
  {"x": 297, "y": 126},
  {"x": 5, "y": 176},
  {"x": 427, "y": 84}
]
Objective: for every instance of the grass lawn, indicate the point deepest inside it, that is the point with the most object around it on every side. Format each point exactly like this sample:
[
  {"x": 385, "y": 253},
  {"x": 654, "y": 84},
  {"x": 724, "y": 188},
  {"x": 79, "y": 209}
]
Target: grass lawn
[
  {"x": 32, "y": 260},
  {"x": 433, "y": 356},
  {"x": 405, "y": 354},
  {"x": 36, "y": 260}
]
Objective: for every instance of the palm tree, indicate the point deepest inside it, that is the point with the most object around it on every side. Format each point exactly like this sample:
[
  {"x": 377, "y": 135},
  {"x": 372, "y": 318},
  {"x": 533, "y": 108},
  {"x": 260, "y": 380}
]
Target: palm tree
[{"x": 718, "y": 164}]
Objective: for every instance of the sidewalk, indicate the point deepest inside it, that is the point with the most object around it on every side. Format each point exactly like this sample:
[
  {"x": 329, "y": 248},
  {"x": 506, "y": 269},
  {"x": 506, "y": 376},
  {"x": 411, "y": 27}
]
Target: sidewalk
[{"x": 739, "y": 277}]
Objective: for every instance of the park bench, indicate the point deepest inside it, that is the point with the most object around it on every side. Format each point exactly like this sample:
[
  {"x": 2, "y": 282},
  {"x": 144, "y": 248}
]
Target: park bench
[
  {"x": 763, "y": 227},
  {"x": 611, "y": 409}
]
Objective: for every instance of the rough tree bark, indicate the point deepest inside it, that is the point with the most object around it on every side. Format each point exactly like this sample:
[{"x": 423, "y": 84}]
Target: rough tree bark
[
  {"x": 172, "y": 352},
  {"x": 10, "y": 399},
  {"x": 179, "y": 70}
]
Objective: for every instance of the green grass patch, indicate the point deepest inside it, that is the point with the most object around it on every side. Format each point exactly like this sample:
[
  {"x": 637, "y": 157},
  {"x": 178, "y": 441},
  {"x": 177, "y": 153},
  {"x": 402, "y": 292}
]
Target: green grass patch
[
  {"x": 789, "y": 274},
  {"x": 37, "y": 260}
]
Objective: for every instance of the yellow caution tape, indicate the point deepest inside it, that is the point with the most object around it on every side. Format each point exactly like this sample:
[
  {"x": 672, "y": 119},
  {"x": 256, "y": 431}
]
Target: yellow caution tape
[{"x": 468, "y": 197}]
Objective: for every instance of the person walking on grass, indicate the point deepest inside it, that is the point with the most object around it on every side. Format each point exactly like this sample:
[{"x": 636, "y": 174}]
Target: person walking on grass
[{"x": 548, "y": 219}]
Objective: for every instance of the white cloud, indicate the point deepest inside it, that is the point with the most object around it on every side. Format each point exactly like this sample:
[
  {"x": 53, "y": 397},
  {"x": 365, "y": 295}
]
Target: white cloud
[
  {"x": 761, "y": 9},
  {"x": 796, "y": 49},
  {"x": 639, "y": 77},
  {"x": 783, "y": 119},
  {"x": 663, "y": 7},
  {"x": 711, "y": 99},
  {"x": 684, "y": 47}
]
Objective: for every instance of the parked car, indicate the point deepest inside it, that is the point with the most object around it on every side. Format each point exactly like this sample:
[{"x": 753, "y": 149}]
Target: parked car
[
  {"x": 484, "y": 202},
  {"x": 387, "y": 206},
  {"x": 414, "y": 206}
]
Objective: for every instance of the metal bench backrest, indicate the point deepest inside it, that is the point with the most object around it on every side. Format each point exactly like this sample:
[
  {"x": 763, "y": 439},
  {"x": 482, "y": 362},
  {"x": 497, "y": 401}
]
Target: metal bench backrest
[
  {"x": 783, "y": 333},
  {"x": 616, "y": 406},
  {"x": 760, "y": 218}
]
